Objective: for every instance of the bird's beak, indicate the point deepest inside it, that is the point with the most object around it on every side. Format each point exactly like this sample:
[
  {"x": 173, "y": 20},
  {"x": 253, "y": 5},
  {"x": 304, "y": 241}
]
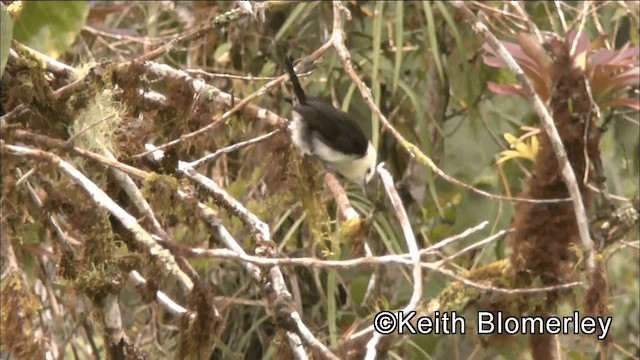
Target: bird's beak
[{"x": 364, "y": 188}]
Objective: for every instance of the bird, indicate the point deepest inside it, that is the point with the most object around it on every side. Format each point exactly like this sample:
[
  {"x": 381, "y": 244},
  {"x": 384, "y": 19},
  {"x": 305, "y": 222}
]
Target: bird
[{"x": 318, "y": 128}]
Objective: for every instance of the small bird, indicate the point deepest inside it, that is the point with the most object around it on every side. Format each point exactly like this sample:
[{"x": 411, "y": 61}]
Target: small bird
[{"x": 320, "y": 129}]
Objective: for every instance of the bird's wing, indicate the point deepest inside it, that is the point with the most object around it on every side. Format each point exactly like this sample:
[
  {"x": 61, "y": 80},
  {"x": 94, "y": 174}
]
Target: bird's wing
[{"x": 343, "y": 133}]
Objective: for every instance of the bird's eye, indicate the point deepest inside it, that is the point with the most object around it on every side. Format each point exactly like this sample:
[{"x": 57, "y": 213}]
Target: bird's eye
[{"x": 369, "y": 171}]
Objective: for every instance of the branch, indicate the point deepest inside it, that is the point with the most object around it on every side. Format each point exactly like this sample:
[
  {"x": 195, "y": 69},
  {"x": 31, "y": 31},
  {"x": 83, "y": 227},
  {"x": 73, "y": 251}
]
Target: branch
[
  {"x": 220, "y": 21},
  {"x": 135, "y": 276},
  {"x": 352, "y": 219},
  {"x": 232, "y": 148},
  {"x": 165, "y": 301},
  {"x": 102, "y": 200},
  {"x": 199, "y": 87},
  {"x": 265, "y": 247},
  {"x": 223, "y": 198},
  {"x": 412, "y": 246},
  {"x": 400, "y": 259},
  {"x": 342, "y": 200},
  {"x": 132, "y": 191}
]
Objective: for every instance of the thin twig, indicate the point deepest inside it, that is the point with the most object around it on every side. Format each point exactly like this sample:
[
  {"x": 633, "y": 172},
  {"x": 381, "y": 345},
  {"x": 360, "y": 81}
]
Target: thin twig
[
  {"x": 213, "y": 76},
  {"x": 454, "y": 238},
  {"x": 232, "y": 148},
  {"x": 136, "y": 39},
  {"x": 200, "y": 87},
  {"x": 532, "y": 26},
  {"x": 135, "y": 195},
  {"x": 473, "y": 246},
  {"x": 400, "y": 260},
  {"x": 583, "y": 20},
  {"x": 165, "y": 301},
  {"x": 563, "y": 22},
  {"x": 342, "y": 200}
]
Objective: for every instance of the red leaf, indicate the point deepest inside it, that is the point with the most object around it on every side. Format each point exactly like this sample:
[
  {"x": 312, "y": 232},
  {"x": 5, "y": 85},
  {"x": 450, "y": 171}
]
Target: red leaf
[
  {"x": 492, "y": 60},
  {"x": 620, "y": 81},
  {"x": 505, "y": 89},
  {"x": 626, "y": 56},
  {"x": 602, "y": 57},
  {"x": 630, "y": 77},
  {"x": 633, "y": 103},
  {"x": 583, "y": 43},
  {"x": 612, "y": 60},
  {"x": 536, "y": 52},
  {"x": 529, "y": 66}
]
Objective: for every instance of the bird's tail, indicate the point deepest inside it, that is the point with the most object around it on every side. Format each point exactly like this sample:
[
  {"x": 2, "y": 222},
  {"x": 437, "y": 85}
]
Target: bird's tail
[{"x": 287, "y": 63}]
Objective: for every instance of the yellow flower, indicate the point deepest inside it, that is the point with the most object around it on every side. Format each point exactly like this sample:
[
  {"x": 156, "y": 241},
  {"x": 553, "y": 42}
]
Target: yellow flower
[{"x": 519, "y": 148}]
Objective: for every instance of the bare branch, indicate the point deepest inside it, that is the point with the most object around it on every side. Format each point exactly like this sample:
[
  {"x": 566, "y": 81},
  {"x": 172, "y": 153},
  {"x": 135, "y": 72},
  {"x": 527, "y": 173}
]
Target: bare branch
[
  {"x": 412, "y": 246},
  {"x": 454, "y": 238},
  {"x": 226, "y": 200},
  {"x": 135, "y": 195},
  {"x": 232, "y": 148},
  {"x": 162, "y": 298},
  {"x": 200, "y": 87},
  {"x": 400, "y": 259}
]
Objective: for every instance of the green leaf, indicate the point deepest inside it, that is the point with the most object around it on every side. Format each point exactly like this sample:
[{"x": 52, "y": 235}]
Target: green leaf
[
  {"x": 51, "y": 27},
  {"x": 348, "y": 96},
  {"x": 433, "y": 39},
  {"x": 453, "y": 27},
  {"x": 332, "y": 307},
  {"x": 222, "y": 51},
  {"x": 375, "y": 86},
  {"x": 358, "y": 287},
  {"x": 398, "y": 42},
  {"x": 294, "y": 17},
  {"x": 6, "y": 34}
]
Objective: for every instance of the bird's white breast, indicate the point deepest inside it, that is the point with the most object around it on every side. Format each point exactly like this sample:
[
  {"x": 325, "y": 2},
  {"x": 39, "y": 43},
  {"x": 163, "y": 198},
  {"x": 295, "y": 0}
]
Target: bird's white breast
[
  {"x": 297, "y": 127},
  {"x": 326, "y": 153}
]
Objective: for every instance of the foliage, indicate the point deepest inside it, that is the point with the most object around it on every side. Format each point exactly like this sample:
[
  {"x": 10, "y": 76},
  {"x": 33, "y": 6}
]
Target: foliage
[
  {"x": 50, "y": 27},
  {"x": 5, "y": 37}
]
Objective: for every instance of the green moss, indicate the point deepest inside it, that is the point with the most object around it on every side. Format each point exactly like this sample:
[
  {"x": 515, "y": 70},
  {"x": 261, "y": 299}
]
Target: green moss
[
  {"x": 94, "y": 126},
  {"x": 17, "y": 315},
  {"x": 98, "y": 281}
]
